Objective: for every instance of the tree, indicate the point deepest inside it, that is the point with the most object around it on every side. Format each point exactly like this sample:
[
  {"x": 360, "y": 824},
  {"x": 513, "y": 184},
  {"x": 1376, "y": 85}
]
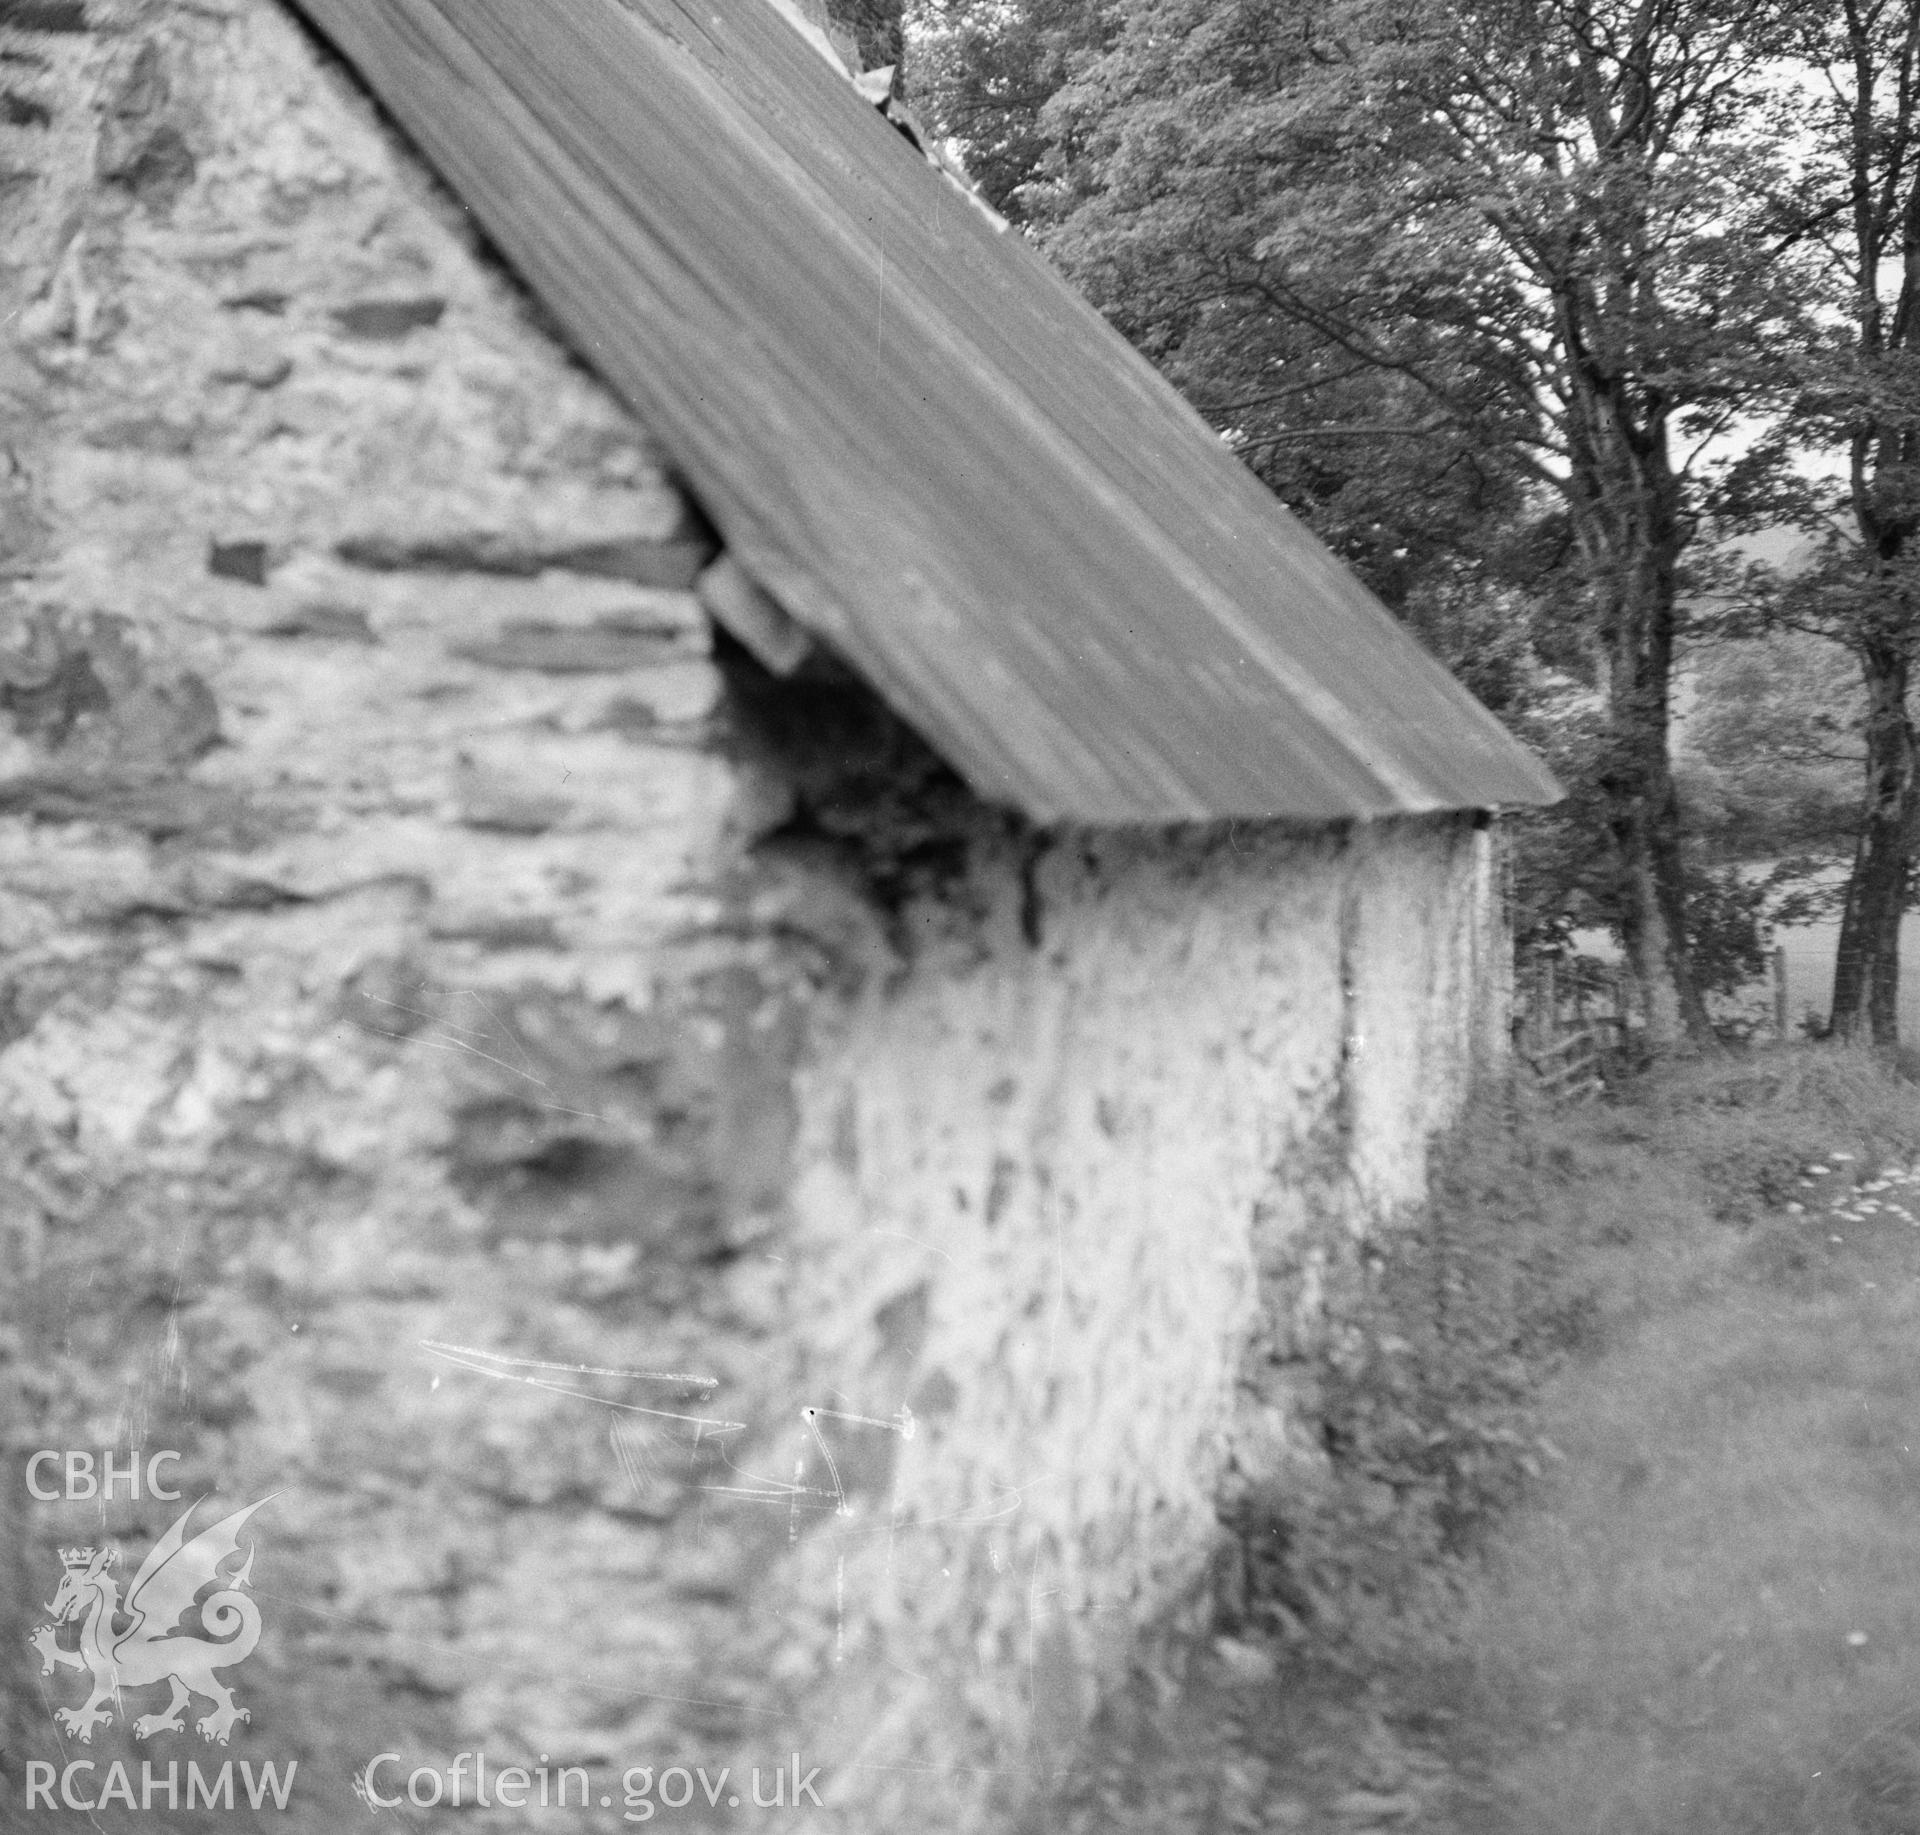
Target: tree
[
  {"x": 1856, "y": 201},
  {"x": 1501, "y": 253},
  {"x": 1768, "y": 759},
  {"x": 982, "y": 73}
]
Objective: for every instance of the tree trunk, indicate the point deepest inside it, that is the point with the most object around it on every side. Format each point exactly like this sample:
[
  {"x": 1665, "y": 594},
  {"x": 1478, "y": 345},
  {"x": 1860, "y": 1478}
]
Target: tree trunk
[
  {"x": 1643, "y": 818},
  {"x": 1626, "y": 505},
  {"x": 1866, "y": 977}
]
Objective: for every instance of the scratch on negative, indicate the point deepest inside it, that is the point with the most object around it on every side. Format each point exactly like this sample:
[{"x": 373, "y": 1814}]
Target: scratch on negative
[
  {"x": 704, "y": 1423},
  {"x": 519, "y": 1044},
  {"x": 537, "y": 1363},
  {"x": 833, "y": 1471},
  {"x": 461, "y": 1044},
  {"x": 902, "y": 1422},
  {"x": 487, "y": 1057}
]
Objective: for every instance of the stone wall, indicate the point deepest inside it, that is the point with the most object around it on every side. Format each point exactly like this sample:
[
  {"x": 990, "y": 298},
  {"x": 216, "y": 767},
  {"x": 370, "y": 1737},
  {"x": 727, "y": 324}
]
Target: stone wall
[
  {"x": 717, "y": 1245},
  {"x": 1089, "y": 1182}
]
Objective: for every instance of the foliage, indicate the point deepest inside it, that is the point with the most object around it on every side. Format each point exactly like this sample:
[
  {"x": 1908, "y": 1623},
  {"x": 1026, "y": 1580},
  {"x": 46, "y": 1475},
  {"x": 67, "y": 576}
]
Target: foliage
[
  {"x": 1666, "y": 1642},
  {"x": 983, "y": 74},
  {"x": 1852, "y": 199},
  {"x": 1562, "y": 876},
  {"x": 1768, "y": 752},
  {"x": 1729, "y": 934},
  {"x": 1446, "y": 1326},
  {"x": 1543, "y": 1236}
]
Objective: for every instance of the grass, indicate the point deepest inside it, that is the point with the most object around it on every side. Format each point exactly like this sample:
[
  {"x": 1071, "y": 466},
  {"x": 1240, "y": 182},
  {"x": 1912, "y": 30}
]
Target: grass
[
  {"x": 1708, "y": 1618},
  {"x": 1625, "y": 1528}
]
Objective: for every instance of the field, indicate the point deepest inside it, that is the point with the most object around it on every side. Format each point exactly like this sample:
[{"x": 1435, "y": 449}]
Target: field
[{"x": 1626, "y": 1535}]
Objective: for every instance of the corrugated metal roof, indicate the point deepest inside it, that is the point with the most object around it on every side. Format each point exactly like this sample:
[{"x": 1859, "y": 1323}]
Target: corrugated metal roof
[{"x": 913, "y": 432}]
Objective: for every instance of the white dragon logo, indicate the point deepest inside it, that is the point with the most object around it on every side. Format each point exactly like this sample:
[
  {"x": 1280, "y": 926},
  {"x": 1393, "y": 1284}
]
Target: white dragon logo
[{"x": 151, "y": 1649}]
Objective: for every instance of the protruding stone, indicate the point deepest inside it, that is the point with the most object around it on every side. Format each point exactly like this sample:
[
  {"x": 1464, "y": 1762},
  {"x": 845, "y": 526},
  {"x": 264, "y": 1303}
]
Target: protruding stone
[
  {"x": 155, "y": 167},
  {"x": 753, "y": 616},
  {"x": 166, "y": 723},
  {"x": 17, "y": 110},
  {"x": 672, "y": 562},
  {"x": 245, "y": 561},
  {"x": 386, "y": 319},
  {"x": 608, "y": 644},
  {"x": 142, "y": 145},
  {"x": 162, "y": 435},
  {"x": 488, "y": 801},
  {"x": 333, "y": 623},
  {"x": 43, "y": 15},
  {"x": 250, "y": 357}
]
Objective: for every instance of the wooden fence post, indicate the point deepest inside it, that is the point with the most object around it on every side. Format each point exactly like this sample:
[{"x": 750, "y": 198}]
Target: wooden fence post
[{"x": 1780, "y": 992}]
